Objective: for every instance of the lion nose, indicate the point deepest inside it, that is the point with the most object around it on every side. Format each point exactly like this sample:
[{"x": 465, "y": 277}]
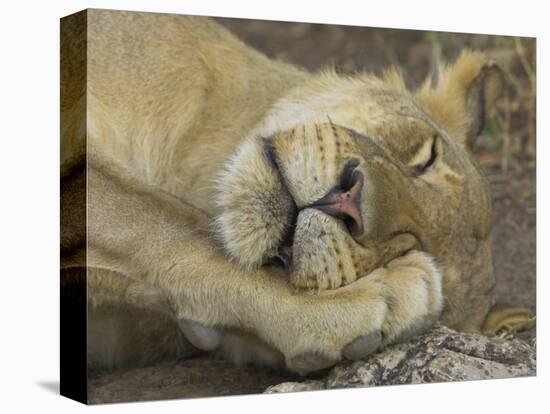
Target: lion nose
[{"x": 345, "y": 203}]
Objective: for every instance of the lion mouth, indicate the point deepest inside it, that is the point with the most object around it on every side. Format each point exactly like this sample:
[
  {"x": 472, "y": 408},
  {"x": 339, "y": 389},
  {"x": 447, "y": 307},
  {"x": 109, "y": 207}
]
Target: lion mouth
[{"x": 284, "y": 255}]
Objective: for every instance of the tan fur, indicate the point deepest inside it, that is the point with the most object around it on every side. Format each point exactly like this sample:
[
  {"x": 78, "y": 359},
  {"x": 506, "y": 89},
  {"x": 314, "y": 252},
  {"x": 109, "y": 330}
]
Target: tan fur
[{"x": 182, "y": 199}]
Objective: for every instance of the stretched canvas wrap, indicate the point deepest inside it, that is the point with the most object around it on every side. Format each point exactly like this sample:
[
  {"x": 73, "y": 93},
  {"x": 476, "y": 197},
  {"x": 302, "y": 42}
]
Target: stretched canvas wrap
[{"x": 253, "y": 206}]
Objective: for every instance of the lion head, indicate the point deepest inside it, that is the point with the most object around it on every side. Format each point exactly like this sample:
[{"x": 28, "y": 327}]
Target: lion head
[{"x": 346, "y": 174}]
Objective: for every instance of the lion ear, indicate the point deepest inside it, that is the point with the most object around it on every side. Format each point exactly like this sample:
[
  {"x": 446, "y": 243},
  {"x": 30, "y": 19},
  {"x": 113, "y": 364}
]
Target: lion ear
[{"x": 463, "y": 95}]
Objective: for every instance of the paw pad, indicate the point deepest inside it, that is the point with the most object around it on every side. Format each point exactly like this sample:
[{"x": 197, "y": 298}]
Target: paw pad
[
  {"x": 311, "y": 361},
  {"x": 200, "y": 336},
  {"x": 363, "y": 346}
]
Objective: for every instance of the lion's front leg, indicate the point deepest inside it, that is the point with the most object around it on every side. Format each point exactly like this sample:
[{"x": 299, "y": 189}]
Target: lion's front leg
[{"x": 314, "y": 331}]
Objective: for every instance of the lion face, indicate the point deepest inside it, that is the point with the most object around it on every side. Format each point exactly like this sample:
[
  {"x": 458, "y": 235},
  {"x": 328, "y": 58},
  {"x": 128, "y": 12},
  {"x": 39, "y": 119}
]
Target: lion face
[{"x": 335, "y": 196}]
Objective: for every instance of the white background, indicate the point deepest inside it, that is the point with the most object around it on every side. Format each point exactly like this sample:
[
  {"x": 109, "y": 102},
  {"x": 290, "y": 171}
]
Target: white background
[{"x": 29, "y": 194}]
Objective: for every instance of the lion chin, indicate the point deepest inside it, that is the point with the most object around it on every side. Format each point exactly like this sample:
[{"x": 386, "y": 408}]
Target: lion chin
[{"x": 296, "y": 200}]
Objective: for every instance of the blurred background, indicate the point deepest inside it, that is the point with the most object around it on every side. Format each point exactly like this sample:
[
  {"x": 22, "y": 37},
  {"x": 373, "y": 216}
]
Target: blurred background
[{"x": 507, "y": 148}]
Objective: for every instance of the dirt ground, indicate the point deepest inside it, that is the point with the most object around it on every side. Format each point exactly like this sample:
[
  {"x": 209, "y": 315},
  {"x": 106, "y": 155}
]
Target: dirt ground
[{"x": 506, "y": 152}]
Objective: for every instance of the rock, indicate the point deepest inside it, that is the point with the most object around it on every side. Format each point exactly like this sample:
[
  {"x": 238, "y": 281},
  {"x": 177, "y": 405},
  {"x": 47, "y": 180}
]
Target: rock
[
  {"x": 309, "y": 385},
  {"x": 440, "y": 355}
]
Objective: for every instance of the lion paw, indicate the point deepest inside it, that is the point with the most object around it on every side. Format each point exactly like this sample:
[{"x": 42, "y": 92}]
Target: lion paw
[{"x": 504, "y": 321}]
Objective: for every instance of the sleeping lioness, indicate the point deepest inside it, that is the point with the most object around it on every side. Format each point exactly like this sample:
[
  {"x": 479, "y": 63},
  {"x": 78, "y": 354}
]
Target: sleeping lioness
[{"x": 241, "y": 204}]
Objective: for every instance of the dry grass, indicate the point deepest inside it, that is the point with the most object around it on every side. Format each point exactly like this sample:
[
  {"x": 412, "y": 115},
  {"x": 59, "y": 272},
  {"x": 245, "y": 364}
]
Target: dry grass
[{"x": 508, "y": 144}]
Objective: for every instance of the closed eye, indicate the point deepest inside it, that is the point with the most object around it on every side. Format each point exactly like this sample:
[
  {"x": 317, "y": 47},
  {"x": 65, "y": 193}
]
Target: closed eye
[{"x": 424, "y": 159}]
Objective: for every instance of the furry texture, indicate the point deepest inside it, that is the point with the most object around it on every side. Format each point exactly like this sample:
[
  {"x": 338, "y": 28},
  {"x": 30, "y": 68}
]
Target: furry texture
[
  {"x": 179, "y": 113},
  {"x": 253, "y": 223}
]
